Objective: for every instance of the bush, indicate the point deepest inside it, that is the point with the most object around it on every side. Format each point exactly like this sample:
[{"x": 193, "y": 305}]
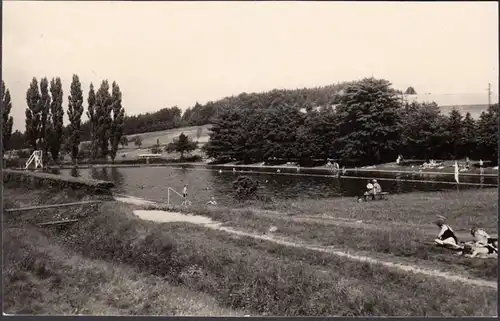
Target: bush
[
  {"x": 245, "y": 187},
  {"x": 156, "y": 150}
]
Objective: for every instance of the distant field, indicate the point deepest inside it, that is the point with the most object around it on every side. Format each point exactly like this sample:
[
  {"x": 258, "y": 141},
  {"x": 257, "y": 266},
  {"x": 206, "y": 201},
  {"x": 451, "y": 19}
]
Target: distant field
[
  {"x": 474, "y": 110},
  {"x": 167, "y": 136}
]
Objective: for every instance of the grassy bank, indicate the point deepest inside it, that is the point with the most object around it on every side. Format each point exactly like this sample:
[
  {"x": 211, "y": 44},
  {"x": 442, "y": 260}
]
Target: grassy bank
[
  {"x": 41, "y": 277},
  {"x": 261, "y": 277},
  {"x": 462, "y": 208}
]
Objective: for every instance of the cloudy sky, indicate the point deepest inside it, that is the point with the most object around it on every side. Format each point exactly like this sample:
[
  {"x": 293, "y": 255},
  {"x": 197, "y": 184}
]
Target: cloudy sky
[{"x": 176, "y": 53}]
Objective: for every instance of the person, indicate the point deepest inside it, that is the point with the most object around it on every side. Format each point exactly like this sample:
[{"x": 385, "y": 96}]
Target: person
[
  {"x": 369, "y": 190},
  {"x": 212, "y": 201},
  {"x": 184, "y": 194},
  {"x": 446, "y": 236},
  {"x": 377, "y": 189},
  {"x": 481, "y": 238}
]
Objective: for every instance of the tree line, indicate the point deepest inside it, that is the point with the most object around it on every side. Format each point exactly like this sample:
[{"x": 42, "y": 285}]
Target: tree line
[
  {"x": 202, "y": 114},
  {"x": 44, "y": 128},
  {"x": 364, "y": 123}
]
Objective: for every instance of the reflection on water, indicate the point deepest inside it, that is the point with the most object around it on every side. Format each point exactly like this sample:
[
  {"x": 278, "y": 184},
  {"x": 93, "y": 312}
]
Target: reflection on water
[{"x": 153, "y": 182}]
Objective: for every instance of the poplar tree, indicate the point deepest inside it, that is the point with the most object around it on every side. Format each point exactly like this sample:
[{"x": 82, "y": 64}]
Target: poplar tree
[
  {"x": 118, "y": 119},
  {"x": 33, "y": 115},
  {"x": 91, "y": 114},
  {"x": 56, "y": 118},
  {"x": 7, "y": 120},
  {"x": 75, "y": 111},
  {"x": 103, "y": 114}
]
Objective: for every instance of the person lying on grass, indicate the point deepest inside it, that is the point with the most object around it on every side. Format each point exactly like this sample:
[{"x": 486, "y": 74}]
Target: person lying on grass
[
  {"x": 474, "y": 250},
  {"x": 446, "y": 236},
  {"x": 481, "y": 238}
]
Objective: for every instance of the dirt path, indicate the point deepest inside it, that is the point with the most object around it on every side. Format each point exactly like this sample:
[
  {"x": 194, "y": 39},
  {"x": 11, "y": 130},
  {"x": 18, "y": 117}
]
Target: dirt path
[{"x": 404, "y": 267}]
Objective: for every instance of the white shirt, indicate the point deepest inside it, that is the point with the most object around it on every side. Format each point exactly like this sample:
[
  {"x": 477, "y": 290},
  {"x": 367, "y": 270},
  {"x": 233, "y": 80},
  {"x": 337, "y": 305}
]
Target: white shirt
[
  {"x": 481, "y": 236},
  {"x": 369, "y": 186},
  {"x": 185, "y": 190}
]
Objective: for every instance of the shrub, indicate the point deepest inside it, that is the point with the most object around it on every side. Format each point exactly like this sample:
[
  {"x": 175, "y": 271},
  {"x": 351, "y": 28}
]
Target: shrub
[{"x": 245, "y": 187}]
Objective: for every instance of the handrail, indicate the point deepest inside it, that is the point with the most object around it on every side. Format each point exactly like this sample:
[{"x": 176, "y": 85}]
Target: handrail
[{"x": 184, "y": 202}]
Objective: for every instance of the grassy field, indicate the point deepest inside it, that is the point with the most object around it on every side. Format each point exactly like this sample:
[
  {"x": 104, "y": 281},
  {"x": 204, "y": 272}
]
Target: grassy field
[
  {"x": 239, "y": 273},
  {"x": 399, "y": 229}
]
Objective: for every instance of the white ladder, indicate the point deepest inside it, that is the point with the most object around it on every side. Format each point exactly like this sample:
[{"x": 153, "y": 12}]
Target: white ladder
[
  {"x": 184, "y": 202},
  {"x": 37, "y": 158}
]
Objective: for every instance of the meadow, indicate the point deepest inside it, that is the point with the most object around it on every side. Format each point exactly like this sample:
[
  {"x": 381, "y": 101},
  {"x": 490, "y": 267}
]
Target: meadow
[{"x": 235, "y": 275}]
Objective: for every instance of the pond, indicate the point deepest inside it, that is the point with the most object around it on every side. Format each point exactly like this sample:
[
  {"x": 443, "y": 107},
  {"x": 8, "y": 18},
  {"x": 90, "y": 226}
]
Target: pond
[{"x": 153, "y": 182}]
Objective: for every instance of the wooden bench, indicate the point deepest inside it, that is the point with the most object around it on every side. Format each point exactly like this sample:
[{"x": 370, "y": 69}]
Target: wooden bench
[
  {"x": 380, "y": 196},
  {"x": 374, "y": 197}
]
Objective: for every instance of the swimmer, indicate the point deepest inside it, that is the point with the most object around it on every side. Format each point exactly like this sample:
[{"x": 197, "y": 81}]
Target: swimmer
[{"x": 212, "y": 201}]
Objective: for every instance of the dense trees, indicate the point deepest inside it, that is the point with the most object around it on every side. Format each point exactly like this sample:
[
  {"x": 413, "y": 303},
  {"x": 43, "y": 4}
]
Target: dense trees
[
  {"x": 44, "y": 120},
  {"x": 364, "y": 123},
  {"x": 368, "y": 127}
]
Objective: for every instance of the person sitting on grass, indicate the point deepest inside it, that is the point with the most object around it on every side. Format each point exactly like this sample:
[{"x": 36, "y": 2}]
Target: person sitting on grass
[
  {"x": 369, "y": 190},
  {"x": 377, "y": 189},
  {"x": 481, "y": 238},
  {"x": 446, "y": 236}
]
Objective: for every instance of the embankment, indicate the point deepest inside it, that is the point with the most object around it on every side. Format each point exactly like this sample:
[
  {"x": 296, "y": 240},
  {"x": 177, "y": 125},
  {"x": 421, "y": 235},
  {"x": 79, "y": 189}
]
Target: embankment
[{"x": 46, "y": 180}]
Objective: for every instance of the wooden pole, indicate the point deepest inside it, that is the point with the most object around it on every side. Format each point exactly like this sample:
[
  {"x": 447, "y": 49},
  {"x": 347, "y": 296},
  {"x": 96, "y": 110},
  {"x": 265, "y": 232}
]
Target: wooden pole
[
  {"x": 10, "y": 210},
  {"x": 58, "y": 222}
]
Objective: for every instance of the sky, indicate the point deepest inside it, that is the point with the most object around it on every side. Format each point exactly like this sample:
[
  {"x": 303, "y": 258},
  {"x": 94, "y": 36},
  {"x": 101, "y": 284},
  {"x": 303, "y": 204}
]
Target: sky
[{"x": 165, "y": 54}]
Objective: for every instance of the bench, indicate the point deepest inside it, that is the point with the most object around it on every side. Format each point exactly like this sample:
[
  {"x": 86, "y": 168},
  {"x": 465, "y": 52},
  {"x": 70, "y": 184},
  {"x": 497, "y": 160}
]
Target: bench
[{"x": 374, "y": 197}]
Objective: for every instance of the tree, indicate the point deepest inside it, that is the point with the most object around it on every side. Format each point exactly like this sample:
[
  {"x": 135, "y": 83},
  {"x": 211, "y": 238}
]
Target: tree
[
  {"x": 124, "y": 141},
  {"x": 455, "y": 132},
  {"x": 410, "y": 91},
  {"x": 33, "y": 115},
  {"x": 103, "y": 108},
  {"x": 117, "y": 122},
  {"x": 93, "y": 123},
  {"x": 7, "y": 120},
  {"x": 368, "y": 127},
  {"x": 45, "y": 102},
  {"x": 423, "y": 132},
  {"x": 224, "y": 134},
  {"x": 487, "y": 135},
  {"x": 75, "y": 111},
  {"x": 181, "y": 145},
  {"x": 199, "y": 131},
  {"x": 138, "y": 141},
  {"x": 55, "y": 135},
  {"x": 469, "y": 135}
]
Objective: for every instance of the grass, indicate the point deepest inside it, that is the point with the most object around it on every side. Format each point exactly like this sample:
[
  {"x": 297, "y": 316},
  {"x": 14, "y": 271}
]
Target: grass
[
  {"x": 43, "y": 278},
  {"x": 407, "y": 241},
  {"x": 261, "y": 277},
  {"x": 462, "y": 209}
]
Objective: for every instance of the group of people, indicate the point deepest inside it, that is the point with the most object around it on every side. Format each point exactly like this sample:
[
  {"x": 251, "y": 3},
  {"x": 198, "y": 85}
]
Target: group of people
[
  {"x": 482, "y": 243},
  {"x": 372, "y": 188},
  {"x": 186, "y": 202}
]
